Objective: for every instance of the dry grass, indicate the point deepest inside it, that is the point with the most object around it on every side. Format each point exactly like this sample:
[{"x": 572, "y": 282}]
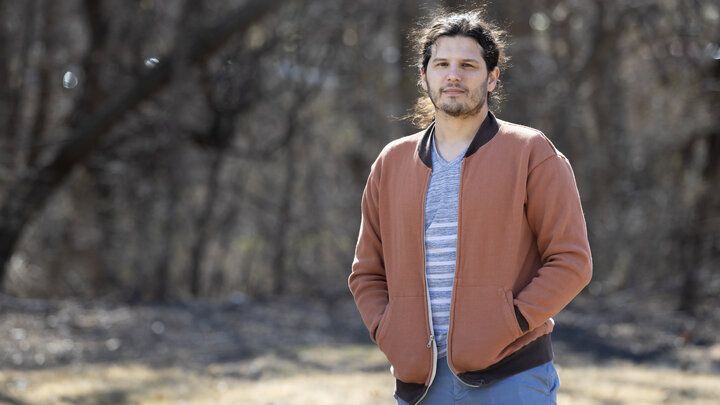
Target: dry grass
[
  {"x": 626, "y": 383},
  {"x": 349, "y": 374}
]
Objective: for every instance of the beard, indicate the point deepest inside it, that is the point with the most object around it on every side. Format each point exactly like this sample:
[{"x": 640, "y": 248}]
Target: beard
[{"x": 456, "y": 108}]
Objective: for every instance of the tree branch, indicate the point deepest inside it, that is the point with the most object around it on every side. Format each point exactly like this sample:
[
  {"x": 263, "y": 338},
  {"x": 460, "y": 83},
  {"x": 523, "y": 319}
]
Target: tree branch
[{"x": 27, "y": 195}]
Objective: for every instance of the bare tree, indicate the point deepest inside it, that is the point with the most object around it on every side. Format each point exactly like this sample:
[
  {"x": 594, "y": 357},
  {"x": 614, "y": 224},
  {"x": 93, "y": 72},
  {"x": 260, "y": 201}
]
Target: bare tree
[{"x": 25, "y": 196}]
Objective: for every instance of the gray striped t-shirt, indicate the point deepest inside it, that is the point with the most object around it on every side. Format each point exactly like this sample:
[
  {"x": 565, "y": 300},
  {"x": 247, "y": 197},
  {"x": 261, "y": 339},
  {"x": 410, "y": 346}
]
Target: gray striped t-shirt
[{"x": 441, "y": 215}]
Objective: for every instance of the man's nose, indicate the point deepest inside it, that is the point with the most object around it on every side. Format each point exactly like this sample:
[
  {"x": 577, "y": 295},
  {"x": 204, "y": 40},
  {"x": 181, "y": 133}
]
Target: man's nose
[{"x": 453, "y": 74}]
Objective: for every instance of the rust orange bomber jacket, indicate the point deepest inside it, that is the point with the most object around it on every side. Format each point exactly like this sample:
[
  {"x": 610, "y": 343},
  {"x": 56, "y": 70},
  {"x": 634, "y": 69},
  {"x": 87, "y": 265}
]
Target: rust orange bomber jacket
[{"x": 522, "y": 245}]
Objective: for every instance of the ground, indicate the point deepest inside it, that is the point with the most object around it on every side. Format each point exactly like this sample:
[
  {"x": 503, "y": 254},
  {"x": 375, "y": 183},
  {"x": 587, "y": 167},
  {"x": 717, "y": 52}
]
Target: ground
[{"x": 295, "y": 351}]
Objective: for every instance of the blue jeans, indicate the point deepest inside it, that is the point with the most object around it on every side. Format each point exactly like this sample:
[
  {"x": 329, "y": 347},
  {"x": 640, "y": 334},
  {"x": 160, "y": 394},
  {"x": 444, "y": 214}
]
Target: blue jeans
[{"x": 537, "y": 386}]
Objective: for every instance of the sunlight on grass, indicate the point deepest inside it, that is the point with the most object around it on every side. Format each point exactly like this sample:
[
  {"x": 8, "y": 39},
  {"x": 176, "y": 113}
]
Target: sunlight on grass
[
  {"x": 626, "y": 383},
  {"x": 353, "y": 374}
]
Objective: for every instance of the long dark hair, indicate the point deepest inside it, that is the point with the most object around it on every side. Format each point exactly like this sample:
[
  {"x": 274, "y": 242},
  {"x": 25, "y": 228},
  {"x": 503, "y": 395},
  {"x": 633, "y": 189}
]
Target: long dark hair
[{"x": 471, "y": 24}]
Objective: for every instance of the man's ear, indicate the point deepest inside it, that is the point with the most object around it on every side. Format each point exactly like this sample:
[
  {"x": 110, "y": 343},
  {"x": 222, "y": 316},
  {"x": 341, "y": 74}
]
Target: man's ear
[
  {"x": 423, "y": 80},
  {"x": 493, "y": 77}
]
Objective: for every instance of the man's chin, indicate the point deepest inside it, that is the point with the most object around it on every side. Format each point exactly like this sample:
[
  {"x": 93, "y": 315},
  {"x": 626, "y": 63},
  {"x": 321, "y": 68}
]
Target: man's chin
[
  {"x": 458, "y": 110},
  {"x": 454, "y": 110},
  {"x": 459, "y": 113}
]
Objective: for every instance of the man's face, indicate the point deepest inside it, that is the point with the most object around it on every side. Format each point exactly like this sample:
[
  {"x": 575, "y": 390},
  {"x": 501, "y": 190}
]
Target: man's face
[{"x": 456, "y": 77}]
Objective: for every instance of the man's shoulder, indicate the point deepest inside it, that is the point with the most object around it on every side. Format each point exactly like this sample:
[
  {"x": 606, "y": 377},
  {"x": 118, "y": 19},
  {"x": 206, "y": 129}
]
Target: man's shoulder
[
  {"x": 528, "y": 136},
  {"x": 518, "y": 130},
  {"x": 397, "y": 153},
  {"x": 404, "y": 146}
]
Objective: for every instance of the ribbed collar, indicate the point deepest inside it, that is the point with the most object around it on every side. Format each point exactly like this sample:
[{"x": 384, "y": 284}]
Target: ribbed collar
[{"x": 485, "y": 133}]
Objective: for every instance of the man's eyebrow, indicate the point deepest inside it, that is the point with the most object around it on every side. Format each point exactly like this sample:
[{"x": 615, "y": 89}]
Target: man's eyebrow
[{"x": 462, "y": 60}]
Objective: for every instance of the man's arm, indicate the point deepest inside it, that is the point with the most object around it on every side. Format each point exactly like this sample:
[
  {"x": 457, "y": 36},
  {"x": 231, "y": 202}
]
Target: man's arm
[
  {"x": 556, "y": 218},
  {"x": 367, "y": 280}
]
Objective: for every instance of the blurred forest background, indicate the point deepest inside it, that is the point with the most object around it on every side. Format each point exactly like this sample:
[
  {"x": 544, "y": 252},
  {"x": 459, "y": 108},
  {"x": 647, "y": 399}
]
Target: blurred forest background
[{"x": 160, "y": 151}]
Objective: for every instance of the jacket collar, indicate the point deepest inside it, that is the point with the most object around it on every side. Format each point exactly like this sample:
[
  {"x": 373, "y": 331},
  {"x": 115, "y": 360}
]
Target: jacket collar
[{"x": 485, "y": 133}]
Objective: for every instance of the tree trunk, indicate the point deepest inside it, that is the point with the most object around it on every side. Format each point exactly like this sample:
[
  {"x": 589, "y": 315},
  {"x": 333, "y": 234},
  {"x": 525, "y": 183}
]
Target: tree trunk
[
  {"x": 202, "y": 224},
  {"x": 162, "y": 267},
  {"x": 690, "y": 256},
  {"x": 16, "y": 91},
  {"x": 279, "y": 237},
  {"x": 283, "y": 223}
]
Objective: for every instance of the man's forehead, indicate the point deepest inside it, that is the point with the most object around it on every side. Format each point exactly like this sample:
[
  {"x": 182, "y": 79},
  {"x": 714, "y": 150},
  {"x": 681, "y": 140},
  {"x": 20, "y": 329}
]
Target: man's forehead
[{"x": 466, "y": 47}]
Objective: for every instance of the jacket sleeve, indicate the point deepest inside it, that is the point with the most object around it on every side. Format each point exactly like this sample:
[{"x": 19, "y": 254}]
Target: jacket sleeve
[
  {"x": 556, "y": 218},
  {"x": 367, "y": 281}
]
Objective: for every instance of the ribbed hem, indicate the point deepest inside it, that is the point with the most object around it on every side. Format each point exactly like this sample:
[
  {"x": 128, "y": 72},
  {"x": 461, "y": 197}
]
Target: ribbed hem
[{"x": 533, "y": 355}]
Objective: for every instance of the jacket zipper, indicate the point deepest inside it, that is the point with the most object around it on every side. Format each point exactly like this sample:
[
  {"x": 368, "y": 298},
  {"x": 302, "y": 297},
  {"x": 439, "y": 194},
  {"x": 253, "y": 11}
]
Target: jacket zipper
[
  {"x": 431, "y": 342},
  {"x": 457, "y": 261}
]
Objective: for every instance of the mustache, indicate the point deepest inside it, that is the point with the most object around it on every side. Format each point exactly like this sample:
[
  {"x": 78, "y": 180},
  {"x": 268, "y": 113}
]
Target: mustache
[{"x": 454, "y": 87}]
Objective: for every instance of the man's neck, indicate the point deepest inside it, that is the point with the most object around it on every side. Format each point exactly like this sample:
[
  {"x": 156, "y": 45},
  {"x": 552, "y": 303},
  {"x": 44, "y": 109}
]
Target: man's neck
[{"x": 453, "y": 135}]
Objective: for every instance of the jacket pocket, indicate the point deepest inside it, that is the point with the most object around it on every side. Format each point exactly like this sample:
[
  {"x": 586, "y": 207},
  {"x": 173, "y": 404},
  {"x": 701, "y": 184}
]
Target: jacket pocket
[
  {"x": 402, "y": 336},
  {"x": 483, "y": 326},
  {"x": 510, "y": 311},
  {"x": 383, "y": 322}
]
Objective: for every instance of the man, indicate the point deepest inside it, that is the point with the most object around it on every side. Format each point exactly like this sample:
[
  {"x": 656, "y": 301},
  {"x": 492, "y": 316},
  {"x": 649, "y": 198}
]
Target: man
[{"x": 472, "y": 238}]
